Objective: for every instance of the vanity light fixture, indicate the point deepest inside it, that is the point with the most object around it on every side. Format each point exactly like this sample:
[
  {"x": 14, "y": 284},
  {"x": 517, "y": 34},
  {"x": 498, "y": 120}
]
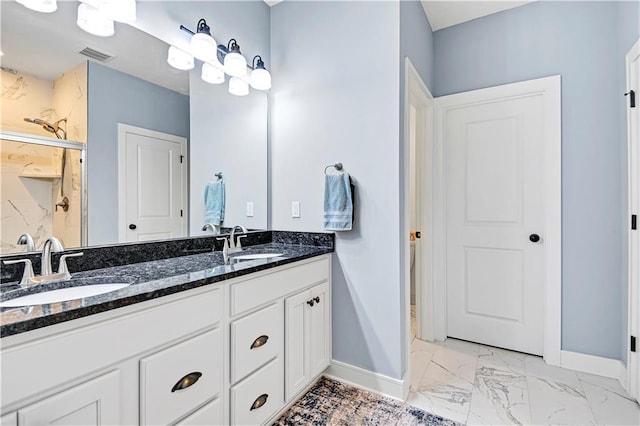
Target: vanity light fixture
[
  {"x": 94, "y": 22},
  {"x": 212, "y": 74},
  {"x": 45, "y": 6},
  {"x": 180, "y": 59},
  {"x": 260, "y": 78},
  {"x": 238, "y": 87},
  {"x": 203, "y": 45},
  {"x": 229, "y": 61},
  {"x": 234, "y": 63}
]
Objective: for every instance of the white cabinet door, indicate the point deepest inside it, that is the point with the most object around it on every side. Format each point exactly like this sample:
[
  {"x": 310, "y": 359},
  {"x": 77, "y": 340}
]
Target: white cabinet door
[
  {"x": 296, "y": 371},
  {"x": 95, "y": 402},
  {"x": 319, "y": 336},
  {"x": 308, "y": 337}
]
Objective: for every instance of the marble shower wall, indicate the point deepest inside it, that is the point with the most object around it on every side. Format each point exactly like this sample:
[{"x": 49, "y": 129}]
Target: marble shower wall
[
  {"x": 30, "y": 173},
  {"x": 70, "y": 102}
]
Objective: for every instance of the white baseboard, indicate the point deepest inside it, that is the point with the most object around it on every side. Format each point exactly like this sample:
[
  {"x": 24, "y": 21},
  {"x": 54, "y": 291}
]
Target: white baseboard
[
  {"x": 607, "y": 367},
  {"x": 368, "y": 380}
]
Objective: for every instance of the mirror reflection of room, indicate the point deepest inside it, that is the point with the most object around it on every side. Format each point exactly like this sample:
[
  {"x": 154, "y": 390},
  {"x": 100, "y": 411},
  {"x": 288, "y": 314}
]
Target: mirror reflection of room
[{"x": 41, "y": 185}]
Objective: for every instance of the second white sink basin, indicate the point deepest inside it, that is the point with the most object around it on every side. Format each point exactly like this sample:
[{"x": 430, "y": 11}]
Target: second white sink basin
[
  {"x": 256, "y": 256},
  {"x": 62, "y": 294}
]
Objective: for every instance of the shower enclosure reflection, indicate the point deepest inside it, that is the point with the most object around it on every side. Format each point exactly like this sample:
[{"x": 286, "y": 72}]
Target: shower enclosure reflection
[{"x": 41, "y": 191}]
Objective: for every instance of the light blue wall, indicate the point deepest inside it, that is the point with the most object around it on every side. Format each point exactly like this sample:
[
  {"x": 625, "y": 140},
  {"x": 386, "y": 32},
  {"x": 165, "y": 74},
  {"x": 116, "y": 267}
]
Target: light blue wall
[
  {"x": 335, "y": 98},
  {"x": 416, "y": 43},
  {"x": 115, "y": 97},
  {"x": 579, "y": 41}
]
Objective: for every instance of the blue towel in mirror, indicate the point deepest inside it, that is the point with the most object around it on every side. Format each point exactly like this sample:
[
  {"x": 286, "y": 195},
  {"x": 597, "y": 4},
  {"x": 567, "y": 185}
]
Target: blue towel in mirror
[
  {"x": 214, "y": 202},
  {"x": 338, "y": 202}
]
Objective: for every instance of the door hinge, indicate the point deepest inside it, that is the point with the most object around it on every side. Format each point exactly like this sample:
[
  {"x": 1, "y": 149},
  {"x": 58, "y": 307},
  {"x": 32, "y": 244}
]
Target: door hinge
[
  {"x": 181, "y": 213},
  {"x": 634, "y": 221},
  {"x": 632, "y": 98},
  {"x": 181, "y": 159},
  {"x": 633, "y": 343}
]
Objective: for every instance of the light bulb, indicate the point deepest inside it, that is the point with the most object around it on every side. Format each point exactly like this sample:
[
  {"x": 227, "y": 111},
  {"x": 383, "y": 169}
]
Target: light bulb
[
  {"x": 45, "y": 6},
  {"x": 180, "y": 59},
  {"x": 260, "y": 79},
  {"x": 238, "y": 87},
  {"x": 212, "y": 74},
  {"x": 235, "y": 64},
  {"x": 93, "y": 22},
  {"x": 204, "y": 47}
]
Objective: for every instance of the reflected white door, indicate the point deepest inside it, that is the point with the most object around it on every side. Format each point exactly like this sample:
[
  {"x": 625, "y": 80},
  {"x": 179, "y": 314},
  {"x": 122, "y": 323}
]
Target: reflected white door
[
  {"x": 152, "y": 185},
  {"x": 633, "y": 129},
  {"x": 494, "y": 148}
]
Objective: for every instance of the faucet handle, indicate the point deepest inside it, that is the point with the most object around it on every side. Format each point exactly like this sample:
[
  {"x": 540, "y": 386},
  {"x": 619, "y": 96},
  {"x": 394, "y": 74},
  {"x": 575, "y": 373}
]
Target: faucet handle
[
  {"x": 239, "y": 243},
  {"x": 27, "y": 274},
  {"x": 63, "y": 268}
]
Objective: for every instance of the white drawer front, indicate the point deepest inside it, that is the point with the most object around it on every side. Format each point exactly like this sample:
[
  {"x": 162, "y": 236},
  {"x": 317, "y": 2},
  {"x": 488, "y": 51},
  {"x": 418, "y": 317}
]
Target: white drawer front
[
  {"x": 255, "y": 340},
  {"x": 160, "y": 402},
  {"x": 252, "y": 293},
  {"x": 265, "y": 385},
  {"x": 210, "y": 414}
]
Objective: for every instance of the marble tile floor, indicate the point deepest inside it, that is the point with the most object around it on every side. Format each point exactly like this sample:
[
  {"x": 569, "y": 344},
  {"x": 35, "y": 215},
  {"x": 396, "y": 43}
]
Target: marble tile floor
[{"x": 481, "y": 385}]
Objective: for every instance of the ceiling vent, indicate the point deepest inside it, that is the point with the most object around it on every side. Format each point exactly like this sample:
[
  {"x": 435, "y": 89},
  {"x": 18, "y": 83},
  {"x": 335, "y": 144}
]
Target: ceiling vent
[{"x": 96, "y": 54}]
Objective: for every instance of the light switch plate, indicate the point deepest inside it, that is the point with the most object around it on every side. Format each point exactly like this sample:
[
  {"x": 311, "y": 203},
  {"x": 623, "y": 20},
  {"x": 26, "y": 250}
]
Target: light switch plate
[
  {"x": 249, "y": 208},
  {"x": 295, "y": 209}
]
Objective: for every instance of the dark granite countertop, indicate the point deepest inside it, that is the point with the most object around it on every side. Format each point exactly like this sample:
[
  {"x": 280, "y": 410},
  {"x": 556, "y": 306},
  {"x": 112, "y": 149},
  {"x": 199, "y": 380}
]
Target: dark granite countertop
[{"x": 149, "y": 280}]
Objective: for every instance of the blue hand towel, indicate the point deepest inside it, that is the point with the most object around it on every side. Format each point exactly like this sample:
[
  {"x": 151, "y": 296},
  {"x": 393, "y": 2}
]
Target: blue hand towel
[
  {"x": 338, "y": 202},
  {"x": 214, "y": 202}
]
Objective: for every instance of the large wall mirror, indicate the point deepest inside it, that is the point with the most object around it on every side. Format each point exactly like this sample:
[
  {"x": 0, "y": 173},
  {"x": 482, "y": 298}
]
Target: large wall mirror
[{"x": 154, "y": 137}]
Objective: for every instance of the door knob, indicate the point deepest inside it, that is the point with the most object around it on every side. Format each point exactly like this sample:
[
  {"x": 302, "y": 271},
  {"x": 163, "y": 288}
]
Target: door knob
[
  {"x": 534, "y": 238},
  {"x": 132, "y": 226}
]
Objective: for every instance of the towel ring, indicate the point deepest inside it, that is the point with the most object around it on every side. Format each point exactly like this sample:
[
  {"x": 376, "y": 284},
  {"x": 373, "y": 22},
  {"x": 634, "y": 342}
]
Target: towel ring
[
  {"x": 337, "y": 166},
  {"x": 218, "y": 175}
]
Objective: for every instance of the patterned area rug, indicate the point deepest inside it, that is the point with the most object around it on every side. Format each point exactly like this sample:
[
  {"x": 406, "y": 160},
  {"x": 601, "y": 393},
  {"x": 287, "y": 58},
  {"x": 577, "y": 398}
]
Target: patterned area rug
[{"x": 332, "y": 403}]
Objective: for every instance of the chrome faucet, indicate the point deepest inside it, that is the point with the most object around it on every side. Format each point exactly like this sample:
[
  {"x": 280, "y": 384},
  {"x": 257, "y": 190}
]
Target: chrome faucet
[
  {"x": 212, "y": 227},
  {"x": 51, "y": 245},
  {"x": 27, "y": 239},
  {"x": 235, "y": 244},
  {"x": 46, "y": 274}
]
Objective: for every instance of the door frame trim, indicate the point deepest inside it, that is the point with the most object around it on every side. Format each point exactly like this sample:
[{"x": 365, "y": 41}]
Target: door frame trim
[
  {"x": 414, "y": 86},
  {"x": 550, "y": 90},
  {"x": 123, "y": 129},
  {"x": 633, "y": 241}
]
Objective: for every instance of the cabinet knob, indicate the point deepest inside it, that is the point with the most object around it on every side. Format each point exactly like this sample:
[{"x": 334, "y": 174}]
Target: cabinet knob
[
  {"x": 188, "y": 380},
  {"x": 260, "y": 341},
  {"x": 133, "y": 226},
  {"x": 310, "y": 302},
  {"x": 259, "y": 402},
  {"x": 317, "y": 299}
]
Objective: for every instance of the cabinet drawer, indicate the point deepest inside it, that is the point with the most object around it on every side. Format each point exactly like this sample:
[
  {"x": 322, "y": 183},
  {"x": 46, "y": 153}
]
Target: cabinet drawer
[
  {"x": 264, "y": 386},
  {"x": 210, "y": 414},
  {"x": 255, "y": 340},
  {"x": 252, "y": 293},
  {"x": 195, "y": 364}
]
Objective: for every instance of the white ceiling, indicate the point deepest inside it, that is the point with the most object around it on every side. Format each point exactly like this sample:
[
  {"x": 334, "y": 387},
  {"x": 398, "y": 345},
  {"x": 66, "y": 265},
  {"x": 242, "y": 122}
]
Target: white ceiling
[
  {"x": 445, "y": 13},
  {"x": 46, "y": 45}
]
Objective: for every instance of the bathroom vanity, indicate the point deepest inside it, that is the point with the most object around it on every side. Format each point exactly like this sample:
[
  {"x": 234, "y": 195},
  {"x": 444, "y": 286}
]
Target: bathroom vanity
[{"x": 210, "y": 344}]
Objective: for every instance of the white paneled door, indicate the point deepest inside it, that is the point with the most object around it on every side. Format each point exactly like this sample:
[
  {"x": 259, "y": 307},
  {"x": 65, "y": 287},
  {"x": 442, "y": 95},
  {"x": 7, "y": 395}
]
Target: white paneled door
[
  {"x": 152, "y": 173},
  {"x": 495, "y": 215}
]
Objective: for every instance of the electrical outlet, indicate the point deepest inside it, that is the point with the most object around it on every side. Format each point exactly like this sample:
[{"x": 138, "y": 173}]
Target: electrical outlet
[
  {"x": 249, "y": 208},
  {"x": 295, "y": 209}
]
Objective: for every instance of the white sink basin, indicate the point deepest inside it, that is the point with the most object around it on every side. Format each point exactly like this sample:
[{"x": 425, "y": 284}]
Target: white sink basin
[
  {"x": 62, "y": 294},
  {"x": 256, "y": 256}
]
